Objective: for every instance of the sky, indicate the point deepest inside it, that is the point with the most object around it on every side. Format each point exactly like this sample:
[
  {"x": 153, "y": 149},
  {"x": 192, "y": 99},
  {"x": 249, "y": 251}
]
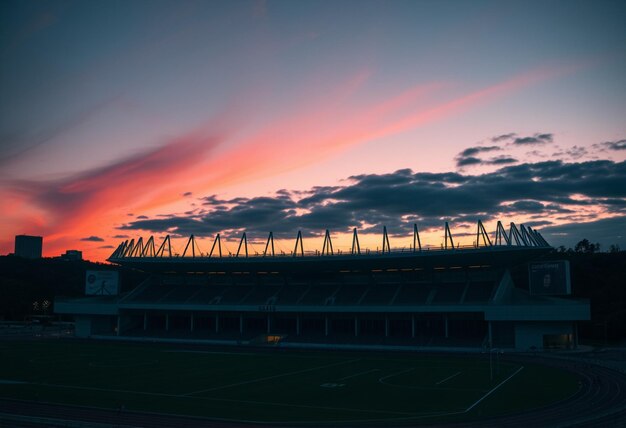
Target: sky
[{"x": 126, "y": 119}]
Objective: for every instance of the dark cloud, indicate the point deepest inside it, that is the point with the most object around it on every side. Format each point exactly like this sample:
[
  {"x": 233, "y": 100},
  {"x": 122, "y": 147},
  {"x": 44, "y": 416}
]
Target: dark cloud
[
  {"x": 120, "y": 236},
  {"x": 106, "y": 246},
  {"x": 398, "y": 199},
  {"x": 471, "y": 160},
  {"x": 500, "y": 160},
  {"x": 536, "y": 139},
  {"x": 611, "y": 145},
  {"x": 187, "y": 194},
  {"x": 93, "y": 239},
  {"x": 472, "y": 151},
  {"x": 142, "y": 217},
  {"x": 503, "y": 137},
  {"x": 469, "y": 157}
]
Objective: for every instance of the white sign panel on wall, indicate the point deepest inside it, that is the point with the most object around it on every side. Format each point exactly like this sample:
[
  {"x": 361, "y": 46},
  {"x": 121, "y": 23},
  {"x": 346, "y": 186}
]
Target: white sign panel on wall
[{"x": 102, "y": 282}]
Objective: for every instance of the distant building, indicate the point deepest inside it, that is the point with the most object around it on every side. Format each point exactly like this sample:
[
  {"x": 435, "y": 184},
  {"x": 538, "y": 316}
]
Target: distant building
[
  {"x": 28, "y": 247},
  {"x": 72, "y": 255}
]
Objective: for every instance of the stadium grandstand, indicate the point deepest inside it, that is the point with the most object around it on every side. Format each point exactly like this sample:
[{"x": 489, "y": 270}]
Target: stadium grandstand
[{"x": 452, "y": 297}]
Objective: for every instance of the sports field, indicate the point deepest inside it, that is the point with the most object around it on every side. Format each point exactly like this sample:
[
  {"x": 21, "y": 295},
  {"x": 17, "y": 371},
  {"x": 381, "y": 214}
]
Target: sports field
[{"x": 274, "y": 385}]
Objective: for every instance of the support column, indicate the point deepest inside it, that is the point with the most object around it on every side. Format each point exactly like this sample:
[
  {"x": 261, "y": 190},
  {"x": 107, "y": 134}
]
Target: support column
[
  {"x": 298, "y": 325},
  {"x": 119, "y": 324},
  {"x": 446, "y": 324},
  {"x": 356, "y": 326},
  {"x": 167, "y": 322},
  {"x": 241, "y": 324},
  {"x": 326, "y": 325},
  {"x": 145, "y": 320},
  {"x": 413, "y": 326},
  {"x": 386, "y": 326},
  {"x": 191, "y": 322},
  {"x": 217, "y": 323},
  {"x": 490, "y": 330},
  {"x": 269, "y": 324}
]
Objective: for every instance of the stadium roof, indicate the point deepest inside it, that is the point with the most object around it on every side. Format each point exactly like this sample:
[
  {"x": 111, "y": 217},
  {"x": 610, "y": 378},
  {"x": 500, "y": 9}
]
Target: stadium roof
[{"x": 517, "y": 246}]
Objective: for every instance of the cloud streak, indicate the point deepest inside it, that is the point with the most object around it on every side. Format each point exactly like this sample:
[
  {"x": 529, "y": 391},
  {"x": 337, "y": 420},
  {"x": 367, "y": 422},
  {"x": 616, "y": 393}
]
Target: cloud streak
[{"x": 73, "y": 203}]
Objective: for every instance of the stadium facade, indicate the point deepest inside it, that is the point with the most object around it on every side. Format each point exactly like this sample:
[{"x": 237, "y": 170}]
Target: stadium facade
[{"x": 446, "y": 297}]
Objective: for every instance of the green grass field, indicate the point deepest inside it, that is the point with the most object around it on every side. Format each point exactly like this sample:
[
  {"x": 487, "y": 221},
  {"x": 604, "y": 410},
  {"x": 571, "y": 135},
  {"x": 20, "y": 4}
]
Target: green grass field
[{"x": 274, "y": 385}]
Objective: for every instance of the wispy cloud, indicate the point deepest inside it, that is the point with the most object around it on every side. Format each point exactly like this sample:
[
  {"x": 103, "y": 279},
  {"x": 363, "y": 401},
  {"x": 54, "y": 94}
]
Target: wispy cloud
[
  {"x": 611, "y": 145},
  {"x": 77, "y": 200}
]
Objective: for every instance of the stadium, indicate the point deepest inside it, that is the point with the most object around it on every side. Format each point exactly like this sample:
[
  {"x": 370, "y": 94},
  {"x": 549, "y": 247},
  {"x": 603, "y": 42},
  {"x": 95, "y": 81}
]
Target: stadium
[{"x": 449, "y": 297}]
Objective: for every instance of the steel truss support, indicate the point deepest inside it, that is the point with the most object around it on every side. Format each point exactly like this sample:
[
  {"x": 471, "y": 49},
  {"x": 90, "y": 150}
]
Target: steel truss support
[
  {"x": 121, "y": 249},
  {"x": 514, "y": 234},
  {"x": 417, "y": 243},
  {"x": 327, "y": 248},
  {"x": 448, "y": 236},
  {"x": 148, "y": 249},
  {"x": 386, "y": 246},
  {"x": 194, "y": 245},
  {"x": 138, "y": 248},
  {"x": 482, "y": 232},
  {"x": 270, "y": 239},
  {"x": 540, "y": 239},
  {"x": 501, "y": 233},
  {"x": 528, "y": 237},
  {"x": 128, "y": 252},
  {"x": 244, "y": 241},
  {"x": 356, "y": 248},
  {"x": 299, "y": 240},
  {"x": 160, "y": 252},
  {"x": 219, "y": 245}
]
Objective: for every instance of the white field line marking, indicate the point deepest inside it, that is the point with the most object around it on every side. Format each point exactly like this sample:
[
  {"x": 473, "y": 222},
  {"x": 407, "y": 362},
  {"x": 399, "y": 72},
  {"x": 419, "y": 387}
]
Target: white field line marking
[
  {"x": 230, "y": 400},
  {"x": 261, "y": 379},
  {"x": 493, "y": 389},
  {"x": 359, "y": 374},
  {"x": 382, "y": 379},
  {"x": 448, "y": 378}
]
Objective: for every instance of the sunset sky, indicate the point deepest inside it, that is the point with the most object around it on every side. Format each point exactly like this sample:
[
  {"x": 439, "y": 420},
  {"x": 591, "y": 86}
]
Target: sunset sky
[{"x": 121, "y": 119}]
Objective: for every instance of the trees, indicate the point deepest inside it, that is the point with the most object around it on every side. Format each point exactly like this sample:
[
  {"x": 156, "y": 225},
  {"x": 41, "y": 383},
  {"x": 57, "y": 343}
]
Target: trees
[{"x": 586, "y": 247}]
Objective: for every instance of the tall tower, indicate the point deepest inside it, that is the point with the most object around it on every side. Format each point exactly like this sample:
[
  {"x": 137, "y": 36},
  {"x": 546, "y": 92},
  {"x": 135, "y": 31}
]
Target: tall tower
[{"x": 28, "y": 247}]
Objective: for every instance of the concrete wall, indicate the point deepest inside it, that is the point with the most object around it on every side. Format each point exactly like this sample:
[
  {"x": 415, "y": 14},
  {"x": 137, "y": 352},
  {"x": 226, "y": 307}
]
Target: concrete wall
[
  {"x": 82, "y": 326},
  {"x": 529, "y": 334}
]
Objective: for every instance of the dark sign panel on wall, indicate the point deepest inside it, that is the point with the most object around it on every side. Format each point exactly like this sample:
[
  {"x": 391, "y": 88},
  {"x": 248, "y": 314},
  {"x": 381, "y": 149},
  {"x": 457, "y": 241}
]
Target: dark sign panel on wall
[{"x": 550, "y": 278}]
